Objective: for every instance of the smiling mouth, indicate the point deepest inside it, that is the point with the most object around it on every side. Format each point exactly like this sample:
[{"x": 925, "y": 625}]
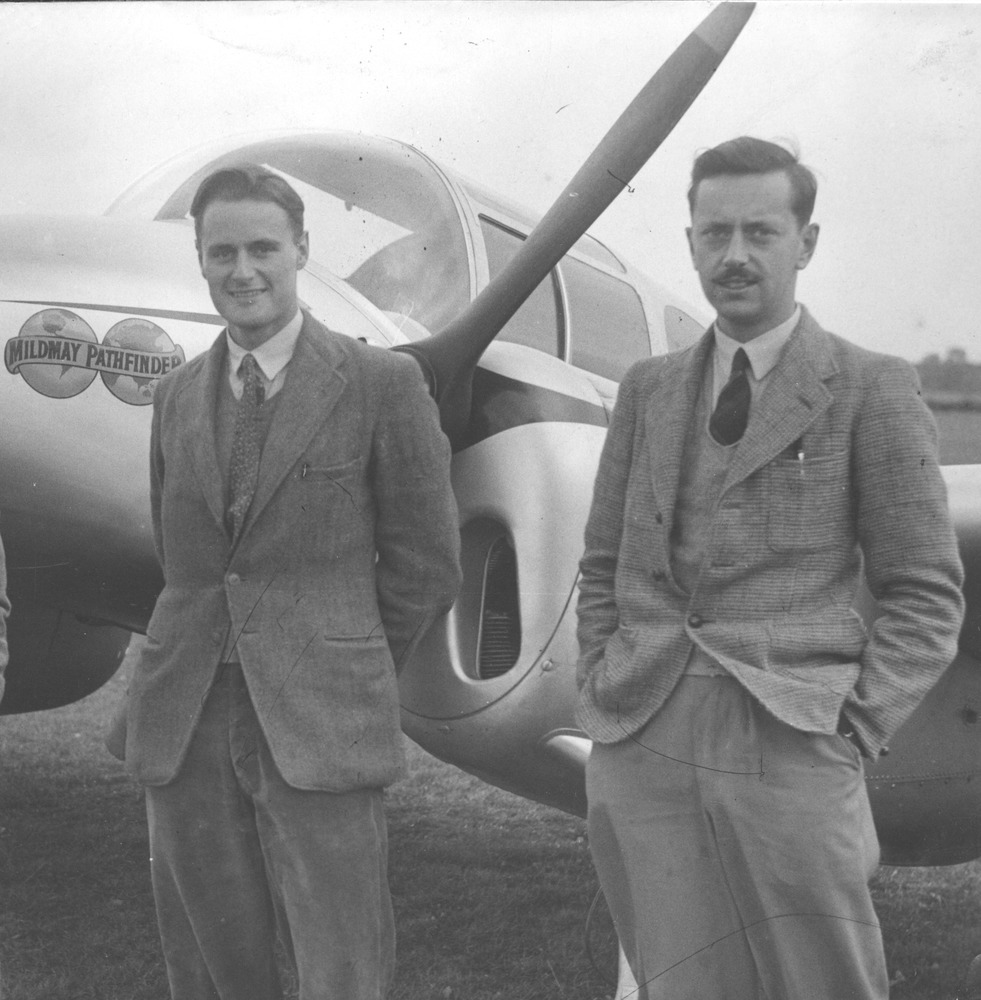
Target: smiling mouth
[{"x": 735, "y": 284}]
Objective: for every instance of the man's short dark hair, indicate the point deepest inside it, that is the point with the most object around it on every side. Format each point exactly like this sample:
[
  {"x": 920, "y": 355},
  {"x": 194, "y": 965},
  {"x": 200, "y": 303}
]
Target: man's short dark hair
[
  {"x": 747, "y": 155},
  {"x": 247, "y": 182}
]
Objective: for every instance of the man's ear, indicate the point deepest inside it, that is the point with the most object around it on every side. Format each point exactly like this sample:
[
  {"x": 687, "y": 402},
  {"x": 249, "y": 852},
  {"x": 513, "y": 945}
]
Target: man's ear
[
  {"x": 303, "y": 248},
  {"x": 808, "y": 243},
  {"x": 691, "y": 246}
]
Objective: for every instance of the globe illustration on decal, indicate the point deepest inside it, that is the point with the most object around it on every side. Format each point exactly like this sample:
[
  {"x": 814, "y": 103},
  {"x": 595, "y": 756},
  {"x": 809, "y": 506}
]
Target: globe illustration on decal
[
  {"x": 142, "y": 352},
  {"x": 47, "y": 329}
]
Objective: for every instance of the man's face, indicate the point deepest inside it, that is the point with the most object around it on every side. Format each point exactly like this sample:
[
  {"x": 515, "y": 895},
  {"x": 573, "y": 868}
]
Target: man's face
[
  {"x": 747, "y": 247},
  {"x": 250, "y": 258}
]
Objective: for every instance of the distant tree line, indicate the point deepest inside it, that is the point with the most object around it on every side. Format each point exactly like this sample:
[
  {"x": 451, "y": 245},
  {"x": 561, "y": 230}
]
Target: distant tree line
[{"x": 952, "y": 382}]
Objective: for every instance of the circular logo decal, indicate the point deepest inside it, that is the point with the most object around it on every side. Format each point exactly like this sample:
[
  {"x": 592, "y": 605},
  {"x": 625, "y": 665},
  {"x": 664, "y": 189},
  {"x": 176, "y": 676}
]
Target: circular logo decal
[
  {"x": 58, "y": 355},
  {"x": 49, "y": 353},
  {"x": 142, "y": 352}
]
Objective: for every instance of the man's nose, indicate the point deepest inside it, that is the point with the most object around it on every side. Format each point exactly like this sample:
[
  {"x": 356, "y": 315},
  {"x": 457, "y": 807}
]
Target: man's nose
[
  {"x": 736, "y": 250},
  {"x": 243, "y": 268}
]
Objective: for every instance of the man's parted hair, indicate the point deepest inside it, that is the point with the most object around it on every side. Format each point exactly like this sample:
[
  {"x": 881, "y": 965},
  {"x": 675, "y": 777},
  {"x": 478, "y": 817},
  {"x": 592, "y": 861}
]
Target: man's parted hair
[
  {"x": 247, "y": 182},
  {"x": 747, "y": 155}
]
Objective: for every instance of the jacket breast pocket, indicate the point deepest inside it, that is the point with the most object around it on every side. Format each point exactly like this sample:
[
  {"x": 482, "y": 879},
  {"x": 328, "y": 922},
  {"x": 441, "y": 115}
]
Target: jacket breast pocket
[
  {"x": 331, "y": 493},
  {"x": 324, "y": 475},
  {"x": 809, "y": 502}
]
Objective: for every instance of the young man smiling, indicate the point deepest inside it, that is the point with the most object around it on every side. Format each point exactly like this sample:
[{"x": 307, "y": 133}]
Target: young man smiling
[
  {"x": 731, "y": 690},
  {"x": 250, "y": 252},
  {"x": 305, "y": 523}
]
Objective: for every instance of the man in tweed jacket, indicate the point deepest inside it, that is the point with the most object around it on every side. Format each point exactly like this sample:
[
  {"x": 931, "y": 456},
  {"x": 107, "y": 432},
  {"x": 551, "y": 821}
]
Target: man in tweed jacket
[
  {"x": 263, "y": 712},
  {"x": 729, "y": 686}
]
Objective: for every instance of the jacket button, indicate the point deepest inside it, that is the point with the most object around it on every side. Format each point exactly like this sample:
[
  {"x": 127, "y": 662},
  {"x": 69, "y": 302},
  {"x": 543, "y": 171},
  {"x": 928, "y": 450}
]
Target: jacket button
[
  {"x": 696, "y": 621},
  {"x": 658, "y": 576},
  {"x": 658, "y": 518},
  {"x": 234, "y": 579}
]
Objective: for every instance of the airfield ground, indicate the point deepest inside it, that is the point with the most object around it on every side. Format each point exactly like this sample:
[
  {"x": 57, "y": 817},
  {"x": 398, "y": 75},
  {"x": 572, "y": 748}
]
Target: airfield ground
[{"x": 491, "y": 892}]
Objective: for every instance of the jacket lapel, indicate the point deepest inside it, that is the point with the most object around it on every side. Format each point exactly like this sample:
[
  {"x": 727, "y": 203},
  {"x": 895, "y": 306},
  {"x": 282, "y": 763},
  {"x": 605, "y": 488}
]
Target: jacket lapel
[
  {"x": 793, "y": 397},
  {"x": 670, "y": 411},
  {"x": 196, "y": 416},
  {"x": 314, "y": 383}
]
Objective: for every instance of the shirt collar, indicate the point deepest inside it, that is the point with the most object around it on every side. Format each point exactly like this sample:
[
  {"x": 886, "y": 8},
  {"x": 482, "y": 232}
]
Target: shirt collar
[
  {"x": 763, "y": 351},
  {"x": 274, "y": 354}
]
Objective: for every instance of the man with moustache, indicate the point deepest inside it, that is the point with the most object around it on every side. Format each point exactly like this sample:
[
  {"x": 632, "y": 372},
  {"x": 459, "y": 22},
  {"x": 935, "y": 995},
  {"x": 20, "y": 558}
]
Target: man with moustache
[
  {"x": 303, "y": 515},
  {"x": 731, "y": 690}
]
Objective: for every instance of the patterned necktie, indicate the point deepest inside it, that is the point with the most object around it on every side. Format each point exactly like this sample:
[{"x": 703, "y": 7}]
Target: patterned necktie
[
  {"x": 246, "y": 446},
  {"x": 732, "y": 410}
]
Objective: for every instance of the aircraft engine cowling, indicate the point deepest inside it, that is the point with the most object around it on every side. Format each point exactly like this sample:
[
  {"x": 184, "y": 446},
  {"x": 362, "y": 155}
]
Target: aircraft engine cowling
[
  {"x": 492, "y": 687},
  {"x": 924, "y": 792}
]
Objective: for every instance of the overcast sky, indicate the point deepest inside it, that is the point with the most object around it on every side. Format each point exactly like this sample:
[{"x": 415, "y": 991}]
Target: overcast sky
[{"x": 883, "y": 99}]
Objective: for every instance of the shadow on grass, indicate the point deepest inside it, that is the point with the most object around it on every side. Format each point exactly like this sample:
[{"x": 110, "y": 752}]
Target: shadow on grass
[{"x": 491, "y": 892}]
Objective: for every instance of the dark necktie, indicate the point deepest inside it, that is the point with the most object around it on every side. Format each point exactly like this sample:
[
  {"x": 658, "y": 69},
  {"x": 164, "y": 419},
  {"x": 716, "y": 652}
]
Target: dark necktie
[
  {"x": 732, "y": 410},
  {"x": 246, "y": 446}
]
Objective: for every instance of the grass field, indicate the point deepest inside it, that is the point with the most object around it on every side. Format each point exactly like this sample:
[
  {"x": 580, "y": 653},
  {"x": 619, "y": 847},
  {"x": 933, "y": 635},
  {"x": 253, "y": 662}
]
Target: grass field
[
  {"x": 491, "y": 892},
  {"x": 960, "y": 436}
]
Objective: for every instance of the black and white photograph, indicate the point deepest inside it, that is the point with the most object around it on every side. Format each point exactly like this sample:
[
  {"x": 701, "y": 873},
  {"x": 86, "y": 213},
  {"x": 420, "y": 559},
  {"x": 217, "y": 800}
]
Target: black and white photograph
[{"x": 490, "y": 500}]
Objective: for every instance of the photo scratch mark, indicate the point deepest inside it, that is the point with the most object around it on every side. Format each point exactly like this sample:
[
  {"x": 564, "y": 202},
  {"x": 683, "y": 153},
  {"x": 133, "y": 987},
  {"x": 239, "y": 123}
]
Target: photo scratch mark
[
  {"x": 691, "y": 763},
  {"x": 742, "y": 930}
]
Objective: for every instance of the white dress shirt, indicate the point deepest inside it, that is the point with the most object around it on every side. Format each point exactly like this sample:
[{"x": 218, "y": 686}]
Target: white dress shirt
[
  {"x": 272, "y": 356},
  {"x": 763, "y": 352}
]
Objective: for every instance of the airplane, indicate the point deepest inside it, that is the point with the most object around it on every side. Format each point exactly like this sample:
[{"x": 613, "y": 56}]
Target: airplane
[{"x": 523, "y": 328}]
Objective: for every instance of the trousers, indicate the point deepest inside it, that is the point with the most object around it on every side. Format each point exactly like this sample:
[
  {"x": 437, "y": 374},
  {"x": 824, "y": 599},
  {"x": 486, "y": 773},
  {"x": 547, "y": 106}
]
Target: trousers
[
  {"x": 734, "y": 852},
  {"x": 238, "y": 858}
]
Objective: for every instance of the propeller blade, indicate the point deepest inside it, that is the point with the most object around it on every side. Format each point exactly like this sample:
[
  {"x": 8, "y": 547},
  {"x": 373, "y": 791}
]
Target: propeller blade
[{"x": 449, "y": 358}]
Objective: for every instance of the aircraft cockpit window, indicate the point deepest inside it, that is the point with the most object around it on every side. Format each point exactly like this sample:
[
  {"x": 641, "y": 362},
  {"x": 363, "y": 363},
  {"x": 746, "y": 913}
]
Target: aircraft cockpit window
[
  {"x": 379, "y": 217},
  {"x": 589, "y": 246},
  {"x": 347, "y": 234},
  {"x": 608, "y": 327},
  {"x": 680, "y": 328},
  {"x": 538, "y": 323}
]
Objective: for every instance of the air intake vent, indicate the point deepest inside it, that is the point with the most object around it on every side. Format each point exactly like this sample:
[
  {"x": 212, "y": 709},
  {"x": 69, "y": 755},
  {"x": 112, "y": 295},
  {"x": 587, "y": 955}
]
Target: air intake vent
[{"x": 500, "y": 621}]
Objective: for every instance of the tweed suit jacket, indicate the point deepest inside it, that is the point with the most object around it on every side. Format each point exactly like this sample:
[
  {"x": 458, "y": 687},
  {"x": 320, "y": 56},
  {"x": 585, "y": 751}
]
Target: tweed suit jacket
[
  {"x": 790, "y": 539},
  {"x": 348, "y": 553}
]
